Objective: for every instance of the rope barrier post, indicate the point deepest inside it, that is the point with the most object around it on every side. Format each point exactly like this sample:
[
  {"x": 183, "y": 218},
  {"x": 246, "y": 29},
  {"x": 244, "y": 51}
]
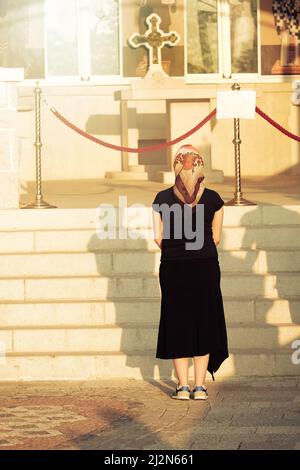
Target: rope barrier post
[
  {"x": 238, "y": 200},
  {"x": 39, "y": 202}
]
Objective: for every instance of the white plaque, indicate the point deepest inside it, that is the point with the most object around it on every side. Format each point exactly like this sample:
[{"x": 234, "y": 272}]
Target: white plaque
[{"x": 236, "y": 104}]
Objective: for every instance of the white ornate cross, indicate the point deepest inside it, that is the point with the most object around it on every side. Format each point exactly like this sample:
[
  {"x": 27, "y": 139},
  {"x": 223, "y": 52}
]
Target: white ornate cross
[{"x": 154, "y": 39}]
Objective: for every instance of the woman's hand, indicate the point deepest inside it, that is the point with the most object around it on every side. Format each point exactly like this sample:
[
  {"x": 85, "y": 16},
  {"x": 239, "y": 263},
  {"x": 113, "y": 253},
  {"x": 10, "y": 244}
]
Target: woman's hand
[
  {"x": 217, "y": 224},
  {"x": 157, "y": 228}
]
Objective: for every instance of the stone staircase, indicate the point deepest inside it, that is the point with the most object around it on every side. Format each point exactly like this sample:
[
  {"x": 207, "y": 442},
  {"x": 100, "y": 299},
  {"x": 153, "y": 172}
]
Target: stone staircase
[{"x": 73, "y": 306}]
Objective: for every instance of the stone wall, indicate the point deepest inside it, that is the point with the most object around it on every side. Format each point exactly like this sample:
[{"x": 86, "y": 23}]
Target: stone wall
[{"x": 9, "y": 149}]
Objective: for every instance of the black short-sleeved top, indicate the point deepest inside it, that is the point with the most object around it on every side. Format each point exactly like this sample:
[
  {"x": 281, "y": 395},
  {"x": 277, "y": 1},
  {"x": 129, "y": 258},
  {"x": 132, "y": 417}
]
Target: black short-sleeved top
[{"x": 175, "y": 248}]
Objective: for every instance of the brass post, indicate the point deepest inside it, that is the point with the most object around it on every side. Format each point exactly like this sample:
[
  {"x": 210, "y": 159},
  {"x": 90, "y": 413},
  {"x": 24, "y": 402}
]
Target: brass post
[
  {"x": 39, "y": 202},
  {"x": 238, "y": 200}
]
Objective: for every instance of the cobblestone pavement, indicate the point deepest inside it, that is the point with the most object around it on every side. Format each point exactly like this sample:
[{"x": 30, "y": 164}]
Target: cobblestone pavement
[{"x": 134, "y": 414}]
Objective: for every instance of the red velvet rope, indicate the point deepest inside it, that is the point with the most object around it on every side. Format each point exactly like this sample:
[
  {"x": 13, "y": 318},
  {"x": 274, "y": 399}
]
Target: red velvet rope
[
  {"x": 277, "y": 125},
  {"x": 170, "y": 142},
  {"x": 130, "y": 149}
]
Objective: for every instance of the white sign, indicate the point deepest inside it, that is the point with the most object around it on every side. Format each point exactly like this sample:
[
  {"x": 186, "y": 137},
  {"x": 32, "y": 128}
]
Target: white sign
[{"x": 236, "y": 104}]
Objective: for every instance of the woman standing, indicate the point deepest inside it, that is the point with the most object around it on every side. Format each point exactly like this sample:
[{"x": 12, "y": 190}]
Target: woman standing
[{"x": 192, "y": 321}]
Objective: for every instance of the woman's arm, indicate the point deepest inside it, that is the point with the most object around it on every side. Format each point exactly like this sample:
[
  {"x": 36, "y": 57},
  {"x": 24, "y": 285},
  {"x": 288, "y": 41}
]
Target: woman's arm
[
  {"x": 217, "y": 225},
  {"x": 157, "y": 228}
]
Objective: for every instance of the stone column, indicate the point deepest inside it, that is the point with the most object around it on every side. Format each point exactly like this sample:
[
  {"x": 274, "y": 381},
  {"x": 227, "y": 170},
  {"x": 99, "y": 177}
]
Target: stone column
[{"x": 9, "y": 148}]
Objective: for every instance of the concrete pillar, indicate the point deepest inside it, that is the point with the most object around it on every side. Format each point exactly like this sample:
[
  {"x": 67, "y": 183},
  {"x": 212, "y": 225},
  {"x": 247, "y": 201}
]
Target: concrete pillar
[{"x": 9, "y": 148}]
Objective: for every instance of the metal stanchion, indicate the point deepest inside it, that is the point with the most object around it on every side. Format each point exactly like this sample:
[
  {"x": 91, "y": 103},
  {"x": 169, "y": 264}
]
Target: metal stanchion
[
  {"x": 39, "y": 202},
  {"x": 238, "y": 200}
]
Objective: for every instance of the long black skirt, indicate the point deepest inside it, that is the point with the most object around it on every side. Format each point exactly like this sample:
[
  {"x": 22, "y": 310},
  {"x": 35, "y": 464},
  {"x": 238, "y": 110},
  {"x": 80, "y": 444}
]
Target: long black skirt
[{"x": 192, "y": 320}]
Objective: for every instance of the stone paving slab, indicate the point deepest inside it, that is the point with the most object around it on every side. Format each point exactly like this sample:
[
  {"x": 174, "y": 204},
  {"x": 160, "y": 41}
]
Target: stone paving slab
[{"x": 135, "y": 414}]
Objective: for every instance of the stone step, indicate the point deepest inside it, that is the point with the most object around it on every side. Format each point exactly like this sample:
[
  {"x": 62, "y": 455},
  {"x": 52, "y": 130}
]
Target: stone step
[
  {"x": 137, "y": 337},
  {"x": 261, "y": 216},
  {"x": 237, "y": 286},
  {"x": 127, "y": 175},
  {"x": 90, "y": 365},
  {"x": 211, "y": 176},
  {"x": 93, "y": 264},
  {"x": 145, "y": 311},
  {"x": 151, "y": 169},
  {"x": 86, "y": 240},
  {"x": 260, "y": 237}
]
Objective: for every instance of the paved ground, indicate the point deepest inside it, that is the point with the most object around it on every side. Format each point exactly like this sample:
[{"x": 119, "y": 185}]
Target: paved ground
[{"x": 132, "y": 414}]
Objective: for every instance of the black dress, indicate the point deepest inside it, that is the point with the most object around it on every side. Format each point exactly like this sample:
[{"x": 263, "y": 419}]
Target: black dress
[{"x": 192, "y": 320}]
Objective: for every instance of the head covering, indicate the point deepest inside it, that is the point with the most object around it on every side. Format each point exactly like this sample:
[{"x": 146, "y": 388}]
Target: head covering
[{"x": 189, "y": 175}]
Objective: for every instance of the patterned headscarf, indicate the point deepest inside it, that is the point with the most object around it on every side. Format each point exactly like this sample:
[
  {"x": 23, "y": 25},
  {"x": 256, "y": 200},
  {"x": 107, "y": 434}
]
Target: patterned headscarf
[{"x": 189, "y": 175}]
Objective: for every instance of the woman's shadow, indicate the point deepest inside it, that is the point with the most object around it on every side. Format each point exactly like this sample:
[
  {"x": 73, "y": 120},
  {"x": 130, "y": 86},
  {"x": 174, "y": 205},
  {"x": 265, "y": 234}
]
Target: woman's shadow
[
  {"x": 132, "y": 296},
  {"x": 266, "y": 268},
  {"x": 132, "y": 304}
]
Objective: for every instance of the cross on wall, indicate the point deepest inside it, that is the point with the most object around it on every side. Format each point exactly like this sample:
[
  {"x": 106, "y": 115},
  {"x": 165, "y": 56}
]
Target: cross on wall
[{"x": 154, "y": 40}]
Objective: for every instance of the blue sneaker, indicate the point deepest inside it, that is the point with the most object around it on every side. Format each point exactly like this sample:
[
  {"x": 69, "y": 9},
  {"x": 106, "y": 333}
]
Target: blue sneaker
[
  {"x": 200, "y": 393},
  {"x": 182, "y": 393}
]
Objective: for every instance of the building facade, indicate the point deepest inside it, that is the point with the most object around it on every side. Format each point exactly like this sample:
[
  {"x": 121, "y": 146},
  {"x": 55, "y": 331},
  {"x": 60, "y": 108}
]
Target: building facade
[{"x": 79, "y": 51}]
